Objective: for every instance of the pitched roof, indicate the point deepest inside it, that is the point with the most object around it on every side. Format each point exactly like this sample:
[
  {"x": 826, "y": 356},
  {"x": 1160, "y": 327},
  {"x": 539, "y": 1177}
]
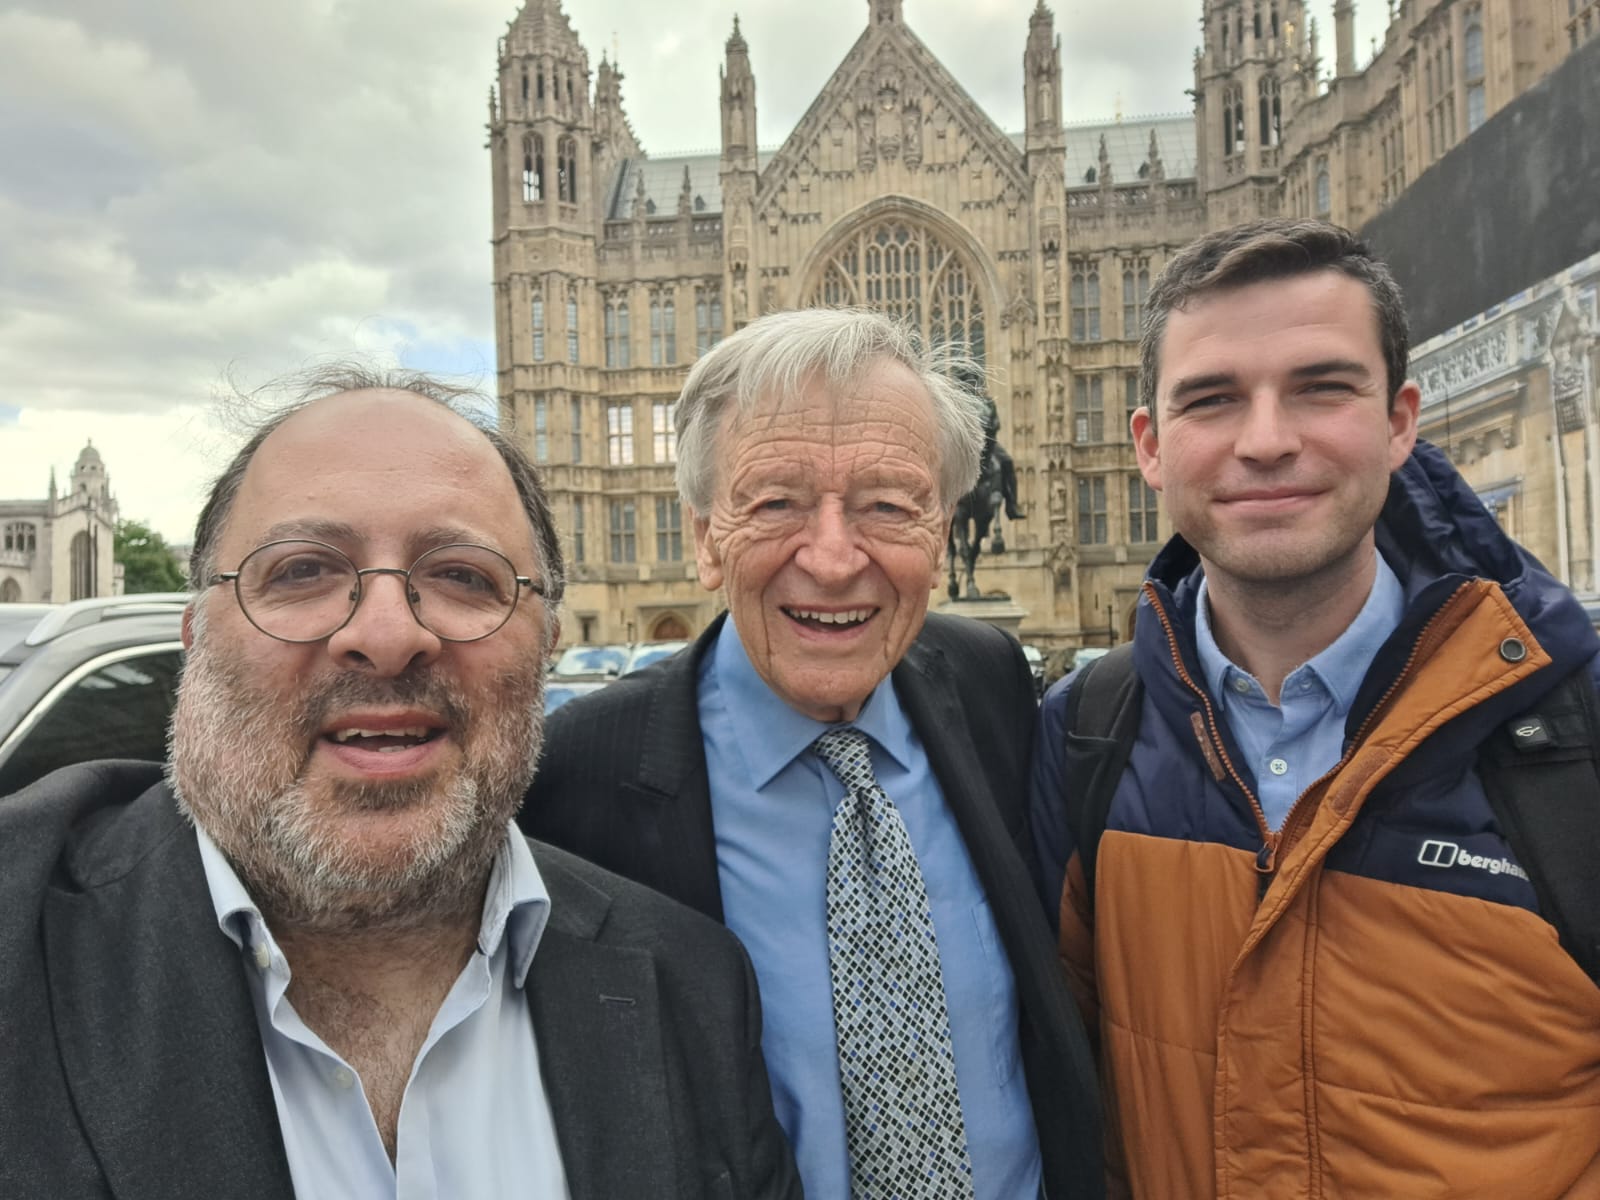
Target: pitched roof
[{"x": 1127, "y": 145}]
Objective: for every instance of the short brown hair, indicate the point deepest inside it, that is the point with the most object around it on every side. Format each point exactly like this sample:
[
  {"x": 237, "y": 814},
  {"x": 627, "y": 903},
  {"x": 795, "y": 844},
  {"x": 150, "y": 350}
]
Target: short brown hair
[{"x": 1258, "y": 251}]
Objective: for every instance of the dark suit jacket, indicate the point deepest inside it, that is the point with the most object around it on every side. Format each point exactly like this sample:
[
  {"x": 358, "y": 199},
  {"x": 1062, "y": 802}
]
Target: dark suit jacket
[
  {"x": 132, "y": 1065},
  {"x": 623, "y": 782}
]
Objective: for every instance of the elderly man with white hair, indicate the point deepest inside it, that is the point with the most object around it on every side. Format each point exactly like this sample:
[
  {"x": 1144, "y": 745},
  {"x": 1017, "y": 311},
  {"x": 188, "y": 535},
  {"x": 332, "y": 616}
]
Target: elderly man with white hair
[{"x": 840, "y": 777}]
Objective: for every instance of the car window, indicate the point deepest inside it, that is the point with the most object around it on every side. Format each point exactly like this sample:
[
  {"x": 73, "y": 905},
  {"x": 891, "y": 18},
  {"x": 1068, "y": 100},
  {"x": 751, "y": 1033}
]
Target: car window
[
  {"x": 119, "y": 710},
  {"x": 650, "y": 652},
  {"x": 591, "y": 660}
]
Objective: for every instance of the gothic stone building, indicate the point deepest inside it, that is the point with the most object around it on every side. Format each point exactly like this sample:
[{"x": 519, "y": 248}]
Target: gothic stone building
[
  {"x": 614, "y": 269},
  {"x": 62, "y": 547}
]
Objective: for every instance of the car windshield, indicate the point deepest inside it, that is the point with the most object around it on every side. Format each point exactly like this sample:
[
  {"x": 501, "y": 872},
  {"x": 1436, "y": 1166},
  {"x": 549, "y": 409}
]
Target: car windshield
[
  {"x": 591, "y": 660},
  {"x": 649, "y": 652}
]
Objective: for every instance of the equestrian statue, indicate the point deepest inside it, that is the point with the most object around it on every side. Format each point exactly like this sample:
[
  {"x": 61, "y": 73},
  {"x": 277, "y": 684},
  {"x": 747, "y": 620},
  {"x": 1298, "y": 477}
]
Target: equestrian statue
[{"x": 980, "y": 508}]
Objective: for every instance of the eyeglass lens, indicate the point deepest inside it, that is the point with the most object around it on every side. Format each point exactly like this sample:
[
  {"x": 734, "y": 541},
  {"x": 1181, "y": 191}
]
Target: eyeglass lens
[{"x": 304, "y": 591}]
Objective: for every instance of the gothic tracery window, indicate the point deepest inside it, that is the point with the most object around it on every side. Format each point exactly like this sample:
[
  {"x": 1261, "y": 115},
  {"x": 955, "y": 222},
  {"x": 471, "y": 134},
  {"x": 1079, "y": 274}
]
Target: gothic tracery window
[
  {"x": 1271, "y": 106},
  {"x": 908, "y": 272},
  {"x": 533, "y": 167},
  {"x": 1233, "y": 120},
  {"x": 567, "y": 170}
]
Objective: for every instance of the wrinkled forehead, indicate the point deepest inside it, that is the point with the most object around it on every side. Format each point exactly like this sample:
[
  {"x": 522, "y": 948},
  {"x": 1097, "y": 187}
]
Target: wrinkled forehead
[
  {"x": 824, "y": 398},
  {"x": 880, "y": 421}
]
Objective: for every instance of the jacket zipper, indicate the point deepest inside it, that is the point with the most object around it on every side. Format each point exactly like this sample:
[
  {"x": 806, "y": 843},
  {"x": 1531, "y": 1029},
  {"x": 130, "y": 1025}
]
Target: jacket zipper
[
  {"x": 1300, "y": 813},
  {"x": 1275, "y": 846}
]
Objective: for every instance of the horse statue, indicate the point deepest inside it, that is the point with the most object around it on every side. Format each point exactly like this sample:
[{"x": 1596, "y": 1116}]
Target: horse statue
[{"x": 980, "y": 508}]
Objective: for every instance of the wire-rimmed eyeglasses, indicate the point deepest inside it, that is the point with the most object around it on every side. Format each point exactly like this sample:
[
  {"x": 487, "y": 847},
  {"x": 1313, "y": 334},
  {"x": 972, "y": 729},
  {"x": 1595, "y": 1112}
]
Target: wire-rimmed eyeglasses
[{"x": 304, "y": 591}]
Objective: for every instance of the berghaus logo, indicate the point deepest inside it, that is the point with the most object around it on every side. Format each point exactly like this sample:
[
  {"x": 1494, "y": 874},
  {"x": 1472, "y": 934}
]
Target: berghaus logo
[{"x": 1436, "y": 853}]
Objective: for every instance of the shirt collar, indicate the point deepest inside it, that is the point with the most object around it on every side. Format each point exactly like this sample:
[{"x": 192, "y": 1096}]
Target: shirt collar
[
  {"x": 1342, "y": 665},
  {"x": 516, "y": 904},
  {"x": 770, "y": 734}
]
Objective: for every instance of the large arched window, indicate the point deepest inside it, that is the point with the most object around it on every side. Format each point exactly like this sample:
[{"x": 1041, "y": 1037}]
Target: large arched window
[{"x": 907, "y": 271}]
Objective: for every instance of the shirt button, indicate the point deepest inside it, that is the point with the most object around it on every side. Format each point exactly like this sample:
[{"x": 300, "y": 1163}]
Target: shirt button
[
  {"x": 344, "y": 1078},
  {"x": 1241, "y": 684},
  {"x": 263, "y": 956},
  {"x": 1278, "y": 767}
]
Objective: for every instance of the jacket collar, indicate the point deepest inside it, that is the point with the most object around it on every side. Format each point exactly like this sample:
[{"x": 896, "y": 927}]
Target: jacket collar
[
  {"x": 1436, "y": 535},
  {"x": 159, "y": 1044},
  {"x": 153, "y": 1016}
]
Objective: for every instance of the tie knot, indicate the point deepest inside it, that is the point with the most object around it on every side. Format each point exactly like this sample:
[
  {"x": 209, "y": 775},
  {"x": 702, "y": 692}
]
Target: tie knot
[{"x": 847, "y": 753}]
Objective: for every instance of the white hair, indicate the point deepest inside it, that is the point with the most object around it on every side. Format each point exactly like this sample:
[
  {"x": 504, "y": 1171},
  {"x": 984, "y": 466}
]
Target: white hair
[{"x": 773, "y": 359}]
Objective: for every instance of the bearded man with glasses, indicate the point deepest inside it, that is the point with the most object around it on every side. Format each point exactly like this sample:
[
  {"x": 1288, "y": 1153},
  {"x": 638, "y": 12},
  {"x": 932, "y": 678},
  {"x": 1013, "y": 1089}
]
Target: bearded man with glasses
[{"x": 318, "y": 959}]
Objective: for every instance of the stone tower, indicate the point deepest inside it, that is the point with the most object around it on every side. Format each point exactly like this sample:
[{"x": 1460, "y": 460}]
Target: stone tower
[
  {"x": 738, "y": 172},
  {"x": 551, "y": 152},
  {"x": 1250, "y": 70}
]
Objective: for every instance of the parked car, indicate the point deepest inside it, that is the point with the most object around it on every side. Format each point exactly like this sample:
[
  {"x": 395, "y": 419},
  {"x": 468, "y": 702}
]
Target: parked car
[
  {"x": 591, "y": 662},
  {"x": 1035, "y": 657},
  {"x": 90, "y": 679},
  {"x": 645, "y": 653},
  {"x": 558, "y": 691}
]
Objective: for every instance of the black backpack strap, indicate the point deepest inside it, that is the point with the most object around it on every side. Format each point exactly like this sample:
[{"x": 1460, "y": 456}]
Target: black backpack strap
[
  {"x": 1102, "y": 720},
  {"x": 1542, "y": 781}
]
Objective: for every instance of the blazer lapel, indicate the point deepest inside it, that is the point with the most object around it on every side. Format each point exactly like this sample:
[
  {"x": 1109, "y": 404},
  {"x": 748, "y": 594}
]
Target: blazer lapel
[
  {"x": 597, "y": 1017},
  {"x": 927, "y": 690},
  {"x": 667, "y": 808},
  {"x": 154, "y": 1021}
]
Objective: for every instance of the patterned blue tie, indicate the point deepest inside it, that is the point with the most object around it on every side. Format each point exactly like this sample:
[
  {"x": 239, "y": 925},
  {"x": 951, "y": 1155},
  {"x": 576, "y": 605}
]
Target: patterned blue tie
[{"x": 903, "y": 1123}]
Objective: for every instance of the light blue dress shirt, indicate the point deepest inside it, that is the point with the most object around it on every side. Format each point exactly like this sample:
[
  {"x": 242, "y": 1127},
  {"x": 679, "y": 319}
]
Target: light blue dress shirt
[
  {"x": 1292, "y": 744},
  {"x": 772, "y": 804},
  {"x": 474, "y": 1121}
]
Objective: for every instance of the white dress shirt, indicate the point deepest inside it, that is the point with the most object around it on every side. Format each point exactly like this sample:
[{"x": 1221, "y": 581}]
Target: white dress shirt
[{"x": 474, "y": 1120}]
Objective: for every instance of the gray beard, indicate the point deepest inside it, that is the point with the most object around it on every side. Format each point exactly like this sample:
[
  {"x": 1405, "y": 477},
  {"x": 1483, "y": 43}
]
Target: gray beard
[{"x": 236, "y": 764}]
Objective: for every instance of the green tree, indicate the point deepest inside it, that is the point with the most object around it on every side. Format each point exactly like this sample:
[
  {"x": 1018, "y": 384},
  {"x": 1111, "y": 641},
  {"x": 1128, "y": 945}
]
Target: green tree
[{"x": 148, "y": 563}]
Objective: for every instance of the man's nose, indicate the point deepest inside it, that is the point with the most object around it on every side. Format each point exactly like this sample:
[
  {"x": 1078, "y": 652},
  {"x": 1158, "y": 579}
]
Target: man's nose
[
  {"x": 1269, "y": 432},
  {"x": 383, "y": 635},
  {"x": 831, "y": 552}
]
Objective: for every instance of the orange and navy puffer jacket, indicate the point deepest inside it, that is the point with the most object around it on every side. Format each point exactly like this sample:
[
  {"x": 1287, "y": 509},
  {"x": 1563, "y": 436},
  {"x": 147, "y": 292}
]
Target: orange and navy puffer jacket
[{"x": 1366, "y": 1003}]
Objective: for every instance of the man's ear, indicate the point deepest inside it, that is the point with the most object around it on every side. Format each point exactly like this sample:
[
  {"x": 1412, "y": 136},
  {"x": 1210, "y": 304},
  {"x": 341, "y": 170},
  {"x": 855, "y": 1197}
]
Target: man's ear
[
  {"x": 707, "y": 555},
  {"x": 1403, "y": 416},
  {"x": 1145, "y": 446},
  {"x": 187, "y": 628}
]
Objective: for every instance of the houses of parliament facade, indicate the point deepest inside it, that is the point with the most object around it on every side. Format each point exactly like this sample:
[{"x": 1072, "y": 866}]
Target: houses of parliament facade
[{"x": 614, "y": 269}]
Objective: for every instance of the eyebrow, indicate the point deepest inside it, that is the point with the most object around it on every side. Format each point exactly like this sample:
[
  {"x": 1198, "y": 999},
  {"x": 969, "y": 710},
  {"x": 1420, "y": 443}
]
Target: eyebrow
[
  {"x": 339, "y": 533},
  {"x": 1331, "y": 366},
  {"x": 316, "y": 530},
  {"x": 1201, "y": 383}
]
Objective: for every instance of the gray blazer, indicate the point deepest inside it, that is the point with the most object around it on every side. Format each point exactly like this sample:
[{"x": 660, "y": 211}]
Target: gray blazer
[{"x": 132, "y": 1065}]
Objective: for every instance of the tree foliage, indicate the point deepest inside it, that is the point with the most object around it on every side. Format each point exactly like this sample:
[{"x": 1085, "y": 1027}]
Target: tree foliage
[{"x": 148, "y": 563}]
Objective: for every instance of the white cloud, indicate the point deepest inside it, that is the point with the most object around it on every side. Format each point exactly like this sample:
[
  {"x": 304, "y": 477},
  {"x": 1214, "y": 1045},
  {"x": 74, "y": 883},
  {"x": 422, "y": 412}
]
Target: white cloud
[{"x": 197, "y": 185}]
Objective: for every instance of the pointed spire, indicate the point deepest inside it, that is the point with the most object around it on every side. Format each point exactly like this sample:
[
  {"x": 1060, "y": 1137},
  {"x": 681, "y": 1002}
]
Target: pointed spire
[
  {"x": 1041, "y": 80},
  {"x": 884, "y": 12},
  {"x": 738, "y": 101}
]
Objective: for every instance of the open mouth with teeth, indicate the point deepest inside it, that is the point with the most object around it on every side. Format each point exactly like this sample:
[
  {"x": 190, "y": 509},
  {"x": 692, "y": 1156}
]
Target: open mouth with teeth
[
  {"x": 813, "y": 618},
  {"x": 384, "y": 741}
]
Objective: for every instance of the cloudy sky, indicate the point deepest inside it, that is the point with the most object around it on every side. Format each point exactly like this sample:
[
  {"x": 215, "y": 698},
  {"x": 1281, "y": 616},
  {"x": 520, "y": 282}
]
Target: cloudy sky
[{"x": 193, "y": 191}]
